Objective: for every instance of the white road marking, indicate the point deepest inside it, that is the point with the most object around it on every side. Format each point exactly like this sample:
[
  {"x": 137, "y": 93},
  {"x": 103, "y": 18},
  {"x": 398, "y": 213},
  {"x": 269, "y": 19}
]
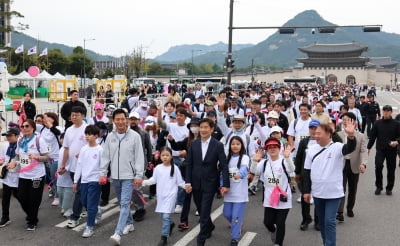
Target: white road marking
[
  {"x": 395, "y": 101},
  {"x": 110, "y": 204},
  {"x": 195, "y": 231},
  {"x": 104, "y": 216},
  {"x": 247, "y": 238}
]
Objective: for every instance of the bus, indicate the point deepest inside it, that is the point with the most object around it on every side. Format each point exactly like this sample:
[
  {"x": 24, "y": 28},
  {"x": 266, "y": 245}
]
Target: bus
[
  {"x": 144, "y": 81},
  {"x": 219, "y": 80}
]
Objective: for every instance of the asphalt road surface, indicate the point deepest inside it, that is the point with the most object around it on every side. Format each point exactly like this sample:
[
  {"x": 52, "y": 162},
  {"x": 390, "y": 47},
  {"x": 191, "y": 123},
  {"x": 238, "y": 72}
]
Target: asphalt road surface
[{"x": 375, "y": 222}]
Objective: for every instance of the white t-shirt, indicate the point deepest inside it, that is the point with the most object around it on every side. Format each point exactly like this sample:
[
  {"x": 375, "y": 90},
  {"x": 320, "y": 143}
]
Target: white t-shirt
[
  {"x": 103, "y": 119},
  {"x": 334, "y": 105},
  {"x": 274, "y": 174},
  {"x": 39, "y": 170},
  {"x": 326, "y": 170},
  {"x": 51, "y": 140},
  {"x": 63, "y": 180},
  {"x": 167, "y": 187},
  {"x": 302, "y": 130},
  {"x": 11, "y": 178},
  {"x": 74, "y": 139},
  {"x": 238, "y": 187},
  {"x": 88, "y": 164},
  {"x": 178, "y": 132}
]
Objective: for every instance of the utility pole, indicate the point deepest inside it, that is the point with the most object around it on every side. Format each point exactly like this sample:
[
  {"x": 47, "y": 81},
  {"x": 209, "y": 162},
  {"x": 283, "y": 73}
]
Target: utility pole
[{"x": 229, "y": 58}]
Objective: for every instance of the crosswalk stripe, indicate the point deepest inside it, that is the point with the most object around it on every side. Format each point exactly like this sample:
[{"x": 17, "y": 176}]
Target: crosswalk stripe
[
  {"x": 247, "y": 238},
  {"x": 110, "y": 204},
  {"x": 193, "y": 233},
  {"x": 104, "y": 216}
]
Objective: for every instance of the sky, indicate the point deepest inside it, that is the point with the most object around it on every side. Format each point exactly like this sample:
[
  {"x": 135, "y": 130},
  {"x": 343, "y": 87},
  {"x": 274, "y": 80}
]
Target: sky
[{"x": 120, "y": 26}]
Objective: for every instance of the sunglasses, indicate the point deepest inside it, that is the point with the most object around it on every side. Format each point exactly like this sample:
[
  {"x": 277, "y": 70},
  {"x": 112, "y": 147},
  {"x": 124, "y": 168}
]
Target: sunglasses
[{"x": 25, "y": 126}]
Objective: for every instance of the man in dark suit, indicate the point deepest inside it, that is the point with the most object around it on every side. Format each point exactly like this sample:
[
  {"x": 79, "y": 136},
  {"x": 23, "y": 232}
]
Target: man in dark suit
[{"x": 205, "y": 162}]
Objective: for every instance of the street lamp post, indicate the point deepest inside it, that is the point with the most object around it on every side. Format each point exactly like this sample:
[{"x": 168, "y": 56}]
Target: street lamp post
[
  {"x": 84, "y": 60},
  {"x": 193, "y": 64}
]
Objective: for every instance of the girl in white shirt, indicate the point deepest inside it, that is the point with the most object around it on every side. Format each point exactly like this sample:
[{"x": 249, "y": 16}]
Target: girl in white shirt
[
  {"x": 274, "y": 173},
  {"x": 168, "y": 178},
  {"x": 236, "y": 199}
]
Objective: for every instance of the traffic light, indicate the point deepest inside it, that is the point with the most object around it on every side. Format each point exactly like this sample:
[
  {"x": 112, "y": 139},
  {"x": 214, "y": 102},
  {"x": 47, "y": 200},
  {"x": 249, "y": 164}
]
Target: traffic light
[{"x": 229, "y": 65}]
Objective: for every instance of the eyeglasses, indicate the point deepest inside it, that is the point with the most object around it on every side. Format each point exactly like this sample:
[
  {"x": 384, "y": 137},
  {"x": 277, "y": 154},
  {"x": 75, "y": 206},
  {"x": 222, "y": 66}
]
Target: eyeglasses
[{"x": 25, "y": 126}]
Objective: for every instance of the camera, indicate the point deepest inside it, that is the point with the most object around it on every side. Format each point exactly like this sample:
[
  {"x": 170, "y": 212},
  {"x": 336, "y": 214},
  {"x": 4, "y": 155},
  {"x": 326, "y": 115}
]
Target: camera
[
  {"x": 282, "y": 198},
  {"x": 313, "y": 31}
]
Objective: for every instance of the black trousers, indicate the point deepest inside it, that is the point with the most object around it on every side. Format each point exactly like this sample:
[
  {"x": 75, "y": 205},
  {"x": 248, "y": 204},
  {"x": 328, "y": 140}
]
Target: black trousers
[
  {"x": 370, "y": 123},
  {"x": 77, "y": 205},
  {"x": 390, "y": 156},
  {"x": 5, "y": 202},
  {"x": 105, "y": 191},
  {"x": 351, "y": 179},
  {"x": 364, "y": 124},
  {"x": 305, "y": 208},
  {"x": 30, "y": 196},
  {"x": 203, "y": 201},
  {"x": 275, "y": 220},
  {"x": 186, "y": 208}
]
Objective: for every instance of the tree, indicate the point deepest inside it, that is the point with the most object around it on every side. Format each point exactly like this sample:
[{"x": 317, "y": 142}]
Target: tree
[
  {"x": 107, "y": 73},
  {"x": 57, "y": 61},
  {"x": 6, "y": 15},
  {"x": 155, "y": 68},
  {"x": 76, "y": 63},
  {"x": 136, "y": 61}
]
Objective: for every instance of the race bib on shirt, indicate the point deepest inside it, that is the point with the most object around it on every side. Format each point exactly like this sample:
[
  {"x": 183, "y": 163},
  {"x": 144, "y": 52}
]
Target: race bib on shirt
[
  {"x": 232, "y": 172},
  {"x": 24, "y": 161},
  {"x": 272, "y": 180},
  {"x": 302, "y": 135}
]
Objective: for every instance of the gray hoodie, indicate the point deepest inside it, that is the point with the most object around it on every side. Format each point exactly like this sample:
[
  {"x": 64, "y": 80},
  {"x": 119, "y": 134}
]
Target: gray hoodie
[{"x": 125, "y": 156}]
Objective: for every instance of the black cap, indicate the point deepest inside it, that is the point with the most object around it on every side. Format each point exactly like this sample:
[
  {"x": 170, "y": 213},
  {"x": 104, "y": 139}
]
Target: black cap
[
  {"x": 211, "y": 113},
  {"x": 201, "y": 96},
  {"x": 11, "y": 131},
  {"x": 387, "y": 108},
  {"x": 195, "y": 121}
]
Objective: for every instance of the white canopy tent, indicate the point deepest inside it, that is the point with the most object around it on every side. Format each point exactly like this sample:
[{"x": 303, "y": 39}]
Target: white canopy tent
[
  {"x": 58, "y": 76},
  {"x": 44, "y": 75}
]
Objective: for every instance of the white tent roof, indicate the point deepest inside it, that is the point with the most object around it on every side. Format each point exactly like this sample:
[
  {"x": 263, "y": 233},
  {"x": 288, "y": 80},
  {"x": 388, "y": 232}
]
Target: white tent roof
[
  {"x": 24, "y": 75},
  {"x": 44, "y": 75},
  {"x": 58, "y": 76}
]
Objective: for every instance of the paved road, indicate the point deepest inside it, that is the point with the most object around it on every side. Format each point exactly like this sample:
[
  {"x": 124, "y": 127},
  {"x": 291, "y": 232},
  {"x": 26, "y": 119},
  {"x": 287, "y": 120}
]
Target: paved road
[{"x": 375, "y": 221}]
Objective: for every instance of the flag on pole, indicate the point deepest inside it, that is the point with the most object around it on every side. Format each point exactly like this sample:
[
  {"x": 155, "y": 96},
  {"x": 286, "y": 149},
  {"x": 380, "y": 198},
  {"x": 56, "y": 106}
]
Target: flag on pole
[
  {"x": 2, "y": 50},
  {"x": 20, "y": 49},
  {"x": 32, "y": 51},
  {"x": 8, "y": 45},
  {"x": 44, "y": 52}
]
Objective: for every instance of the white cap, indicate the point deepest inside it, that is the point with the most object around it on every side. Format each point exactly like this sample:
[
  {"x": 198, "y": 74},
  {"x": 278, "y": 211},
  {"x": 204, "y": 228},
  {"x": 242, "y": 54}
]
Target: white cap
[
  {"x": 150, "y": 120},
  {"x": 273, "y": 114},
  {"x": 275, "y": 129},
  {"x": 134, "y": 115}
]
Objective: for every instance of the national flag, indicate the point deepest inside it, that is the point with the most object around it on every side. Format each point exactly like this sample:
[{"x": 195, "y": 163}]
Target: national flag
[
  {"x": 8, "y": 45},
  {"x": 32, "y": 51},
  {"x": 44, "y": 52},
  {"x": 20, "y": 49},
  {"x": 2, "y": 50}
]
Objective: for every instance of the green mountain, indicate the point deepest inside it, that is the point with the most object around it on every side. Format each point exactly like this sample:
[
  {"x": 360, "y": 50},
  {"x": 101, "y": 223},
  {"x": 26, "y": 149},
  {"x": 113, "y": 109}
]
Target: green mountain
[
  {"x": 282, "y": 49},
  {"x": 29, "y": 42}
]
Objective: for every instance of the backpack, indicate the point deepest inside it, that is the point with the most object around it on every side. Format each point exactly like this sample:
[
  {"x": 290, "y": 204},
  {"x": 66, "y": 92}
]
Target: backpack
[
  {"x": 125, "y": 104},
  {"x": 247, "y": 139}
]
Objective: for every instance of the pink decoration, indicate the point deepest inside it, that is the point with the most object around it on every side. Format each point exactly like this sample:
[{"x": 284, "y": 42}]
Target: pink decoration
[
  {"x": 33, "y": 71},
  {"x": 31, "y": 166}
]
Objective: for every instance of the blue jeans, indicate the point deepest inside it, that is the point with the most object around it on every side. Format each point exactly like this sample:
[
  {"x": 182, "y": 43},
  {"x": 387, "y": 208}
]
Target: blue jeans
[
  {"x": 326, "y": 210},
  {"x": 65, "y": 194},
  {"x": 234, "y": 212},
  {"x": 53, "y": 170},
  {"x": 77, "y": 205},
  {"x": 166, "y": 224},
  {"x": 90, "y": 196},
  {"x": 123, "y": 190},
  {"x": 181, "y": 192}
]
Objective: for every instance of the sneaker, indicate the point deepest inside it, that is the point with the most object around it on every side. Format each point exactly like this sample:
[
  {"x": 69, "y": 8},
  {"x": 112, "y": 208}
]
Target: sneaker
[
  {"x": 197, "y": 213},
  {"x": 127, "y": 229},
  {"x": 388, "y": 192},
  {"x": 299, "y": 199},
  {"x": 273, "y": 236},
  {"x": 88, "y": 232},
  {"x": 83, "y": 214},
  {"x": 115, "y": 239},
  {"x": 31, "y": 227},
  {"x": 103, "y": 203},
  {"x": 98, "y": 216},
  {"x": 72, "y": 223},
  {"x": 68, "y": 213},
  {"x": 55, "y": 202},
  {"x": 4, "y": 222},
  {"x": 178, "y": 209},
  {"x": 234, "y": 242},
  {"x": 62, "y": 211},
  {"x": 252, "y": 190},
  {"x": 51, "y": 192},
  {"x": 340, "y": 217},
  {"x": 183, "y": 226},
  {"x": 378, "y": 191},
  {"x": 139, "y": 214},
  {"x": 350, "y": 213}
]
